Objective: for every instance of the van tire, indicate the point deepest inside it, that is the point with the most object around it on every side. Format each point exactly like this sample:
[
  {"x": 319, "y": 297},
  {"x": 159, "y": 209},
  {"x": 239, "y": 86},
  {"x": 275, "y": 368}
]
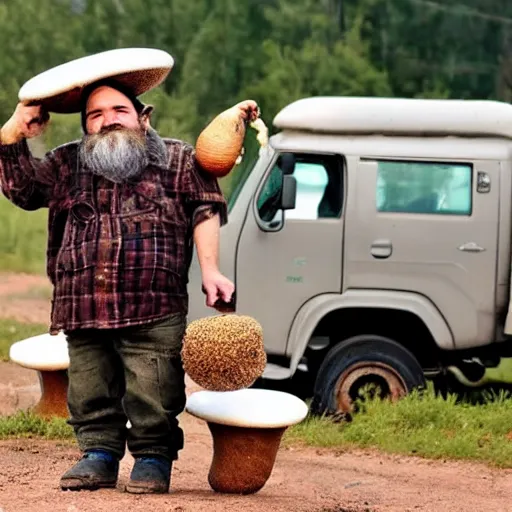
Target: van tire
[{"x": 362, "y": 359}]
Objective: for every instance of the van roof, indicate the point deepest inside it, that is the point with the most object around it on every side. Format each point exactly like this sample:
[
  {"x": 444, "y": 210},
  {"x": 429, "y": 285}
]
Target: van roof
[{"x": 397, "y": 116}]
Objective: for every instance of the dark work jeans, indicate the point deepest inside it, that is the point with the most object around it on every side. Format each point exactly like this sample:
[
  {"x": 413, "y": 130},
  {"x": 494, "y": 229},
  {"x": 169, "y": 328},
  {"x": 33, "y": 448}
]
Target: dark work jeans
[{"x": 134, "y": 374}]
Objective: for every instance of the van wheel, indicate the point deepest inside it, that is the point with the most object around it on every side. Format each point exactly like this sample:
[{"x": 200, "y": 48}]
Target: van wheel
[{"x": 368, "y": 363}]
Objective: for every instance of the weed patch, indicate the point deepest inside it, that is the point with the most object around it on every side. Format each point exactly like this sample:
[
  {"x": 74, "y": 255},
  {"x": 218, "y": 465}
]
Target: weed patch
[
  {"x": 426, "y": 425},
  {"x": 27, "y": 425}
]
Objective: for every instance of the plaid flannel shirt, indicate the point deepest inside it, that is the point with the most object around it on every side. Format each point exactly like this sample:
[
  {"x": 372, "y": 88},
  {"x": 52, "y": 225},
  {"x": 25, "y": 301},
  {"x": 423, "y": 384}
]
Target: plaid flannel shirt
[{"x": 117, "y": 254}]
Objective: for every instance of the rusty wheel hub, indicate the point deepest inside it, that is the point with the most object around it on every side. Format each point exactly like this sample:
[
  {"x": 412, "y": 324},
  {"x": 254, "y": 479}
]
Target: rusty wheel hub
[{"x": 371, "y": 372}]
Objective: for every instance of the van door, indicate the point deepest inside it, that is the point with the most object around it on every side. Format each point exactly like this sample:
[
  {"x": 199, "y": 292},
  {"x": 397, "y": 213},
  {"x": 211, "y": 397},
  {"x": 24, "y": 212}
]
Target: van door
[
  {"x": 286, "y": 258},
  {"x": 430, "y": 227}
]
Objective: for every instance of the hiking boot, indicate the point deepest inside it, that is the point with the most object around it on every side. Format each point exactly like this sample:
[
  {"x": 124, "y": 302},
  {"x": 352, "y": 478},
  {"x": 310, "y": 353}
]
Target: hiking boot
[
  {"x": 96, "y": 469},
  {"x": 150, "y": 475}
]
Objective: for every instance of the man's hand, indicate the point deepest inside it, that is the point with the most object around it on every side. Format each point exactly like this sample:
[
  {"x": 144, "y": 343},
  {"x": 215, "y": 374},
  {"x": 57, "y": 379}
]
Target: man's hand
[
  {"x": 250, "y": 110},
  {"x": 218, "y": 288},
  {"x": 26, "y": 122}
]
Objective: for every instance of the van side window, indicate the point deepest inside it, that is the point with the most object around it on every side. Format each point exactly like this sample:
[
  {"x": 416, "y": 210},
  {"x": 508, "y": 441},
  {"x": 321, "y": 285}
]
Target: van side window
[
  {"x": 319, "y": 189},
  {"x": 424, "y": 187},
  {"x": 270, "y": 195}
]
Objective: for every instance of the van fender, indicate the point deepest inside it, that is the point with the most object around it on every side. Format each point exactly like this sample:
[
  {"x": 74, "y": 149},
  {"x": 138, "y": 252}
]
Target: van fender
[{"x": 312, "y": 312}]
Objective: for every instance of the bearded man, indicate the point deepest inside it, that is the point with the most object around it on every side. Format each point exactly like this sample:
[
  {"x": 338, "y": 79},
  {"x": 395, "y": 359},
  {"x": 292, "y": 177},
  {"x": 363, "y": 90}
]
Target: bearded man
[{"x": 125, "y": 208}]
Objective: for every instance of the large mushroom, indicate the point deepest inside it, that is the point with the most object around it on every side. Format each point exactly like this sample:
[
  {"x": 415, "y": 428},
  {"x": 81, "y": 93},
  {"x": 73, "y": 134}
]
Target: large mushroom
[
  {"x": 48, "y": 355},
  {"x": 219, "y": 146},
  {"x": 224, "y": 352},
  {"x": 246, "y": 427}
]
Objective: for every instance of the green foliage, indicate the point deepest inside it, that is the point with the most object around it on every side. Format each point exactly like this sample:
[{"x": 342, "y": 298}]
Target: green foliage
[
  {"x": 62, "y": 129},
  {"x": 172, "y": 117},
  {"x": 12, "y": 331},
  {"x": 500, "y": 374},
  {"x": 459, "y": 50},
  {"x": 23, "y": 425},
  {"x": 223, "y": 51},
  {"x": 305, "y": 56},
  {"x": 24, "y": 237},
  {"x": 426, "y": 425},
  {"x": 274, "y": 51}
]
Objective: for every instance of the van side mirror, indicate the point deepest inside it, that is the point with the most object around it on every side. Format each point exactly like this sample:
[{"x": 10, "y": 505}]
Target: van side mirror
[
  {"x": 286, "y": 163},
  {"x": 289, "y": 192}
]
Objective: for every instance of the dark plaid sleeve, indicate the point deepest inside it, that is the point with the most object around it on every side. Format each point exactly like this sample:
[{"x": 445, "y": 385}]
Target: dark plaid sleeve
[
  {"x": 203, "y": 192},
  {"x": 25, "y": 180}
]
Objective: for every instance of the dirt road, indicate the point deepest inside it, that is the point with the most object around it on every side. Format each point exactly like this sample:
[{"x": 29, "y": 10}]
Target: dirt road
[{"x": 303, "y": 479}]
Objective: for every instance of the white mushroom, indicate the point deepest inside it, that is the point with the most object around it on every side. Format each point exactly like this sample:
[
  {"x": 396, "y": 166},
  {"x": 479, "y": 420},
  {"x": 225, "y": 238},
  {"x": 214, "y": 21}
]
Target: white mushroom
[
  {"x": 47, "y": 354},
  {"x": 59, "y": 89},
  {"x": 246, "y": 427}
]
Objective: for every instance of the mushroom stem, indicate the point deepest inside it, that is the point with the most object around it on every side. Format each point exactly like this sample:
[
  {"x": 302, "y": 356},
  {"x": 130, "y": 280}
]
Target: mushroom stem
[
  {"x": 54, "y": 388},
  {"x": 243, "y": 457}
]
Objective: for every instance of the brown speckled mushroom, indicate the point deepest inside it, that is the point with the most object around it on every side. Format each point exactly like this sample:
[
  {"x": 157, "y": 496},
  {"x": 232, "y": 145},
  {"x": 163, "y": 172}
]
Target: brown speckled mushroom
[
  {"x": 48, "y": 355},
  {"x": 246, "y": 427},
  {"x": 224, "y": 352}
]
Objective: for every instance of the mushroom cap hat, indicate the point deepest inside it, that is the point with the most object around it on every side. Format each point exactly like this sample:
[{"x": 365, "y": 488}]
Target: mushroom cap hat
[{"x": 59, "y": 89}]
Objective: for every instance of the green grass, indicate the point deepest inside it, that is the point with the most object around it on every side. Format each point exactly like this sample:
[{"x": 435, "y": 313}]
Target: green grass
[
  {"x": 27, "y": 425},
  {"x": 12, "y": 331},
  {"x": 23, "y": 236},
  {"x": 427, "y": 426},
  {"x": 503, "y": 373}
]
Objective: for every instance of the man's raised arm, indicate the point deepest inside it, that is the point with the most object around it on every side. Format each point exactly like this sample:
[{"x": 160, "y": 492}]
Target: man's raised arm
[{"x": 25, "y": 180}]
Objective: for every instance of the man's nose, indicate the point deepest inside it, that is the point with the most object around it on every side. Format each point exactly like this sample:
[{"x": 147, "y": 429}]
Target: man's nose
[{"x": 110, "y": 118}]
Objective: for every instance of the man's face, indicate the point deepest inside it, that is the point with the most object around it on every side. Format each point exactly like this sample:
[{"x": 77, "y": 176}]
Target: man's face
[
  {"x": 107, "y": 107},
  {"x": 115, "y": 145}
]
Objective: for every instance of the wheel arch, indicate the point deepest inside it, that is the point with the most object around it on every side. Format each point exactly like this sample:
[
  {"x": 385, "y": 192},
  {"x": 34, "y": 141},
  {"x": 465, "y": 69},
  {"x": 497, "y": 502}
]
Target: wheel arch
[{"x": 323, "y": 312}]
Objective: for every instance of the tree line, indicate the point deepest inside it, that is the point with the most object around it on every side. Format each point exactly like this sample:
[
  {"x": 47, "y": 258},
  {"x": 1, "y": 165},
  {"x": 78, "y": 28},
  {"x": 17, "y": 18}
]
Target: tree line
[{"x": 273, "y": 51}]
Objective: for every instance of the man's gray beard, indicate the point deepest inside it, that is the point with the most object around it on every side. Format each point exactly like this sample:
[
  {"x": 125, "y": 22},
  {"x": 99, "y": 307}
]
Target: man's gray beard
[{"x": 116, "y": 153}]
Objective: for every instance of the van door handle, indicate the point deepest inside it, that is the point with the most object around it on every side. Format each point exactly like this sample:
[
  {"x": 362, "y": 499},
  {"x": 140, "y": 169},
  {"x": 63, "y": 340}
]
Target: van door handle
[
  {"x": 381, "y": 249},
  {"x": 471, "y": 247}
]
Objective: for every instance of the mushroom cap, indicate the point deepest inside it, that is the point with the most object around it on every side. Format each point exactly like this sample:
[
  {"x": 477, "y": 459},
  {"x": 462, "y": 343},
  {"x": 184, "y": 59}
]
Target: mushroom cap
[
  {"x": 224, "y": 352},
  {"x": 250, "y": 408},
  {"x": 59, "y": 89},
  {"x": 42, "y": 352}
]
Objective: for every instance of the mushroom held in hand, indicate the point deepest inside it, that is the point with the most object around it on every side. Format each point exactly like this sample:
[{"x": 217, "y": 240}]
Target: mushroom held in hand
[
  {"x": 246, "y": 426},
  {"x": 225, "y": 352},
  {"x": 220, "y": 144}
]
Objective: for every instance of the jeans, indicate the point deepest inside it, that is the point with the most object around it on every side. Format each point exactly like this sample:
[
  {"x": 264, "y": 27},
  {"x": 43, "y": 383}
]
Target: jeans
[{"x": 133, "y": 373}]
